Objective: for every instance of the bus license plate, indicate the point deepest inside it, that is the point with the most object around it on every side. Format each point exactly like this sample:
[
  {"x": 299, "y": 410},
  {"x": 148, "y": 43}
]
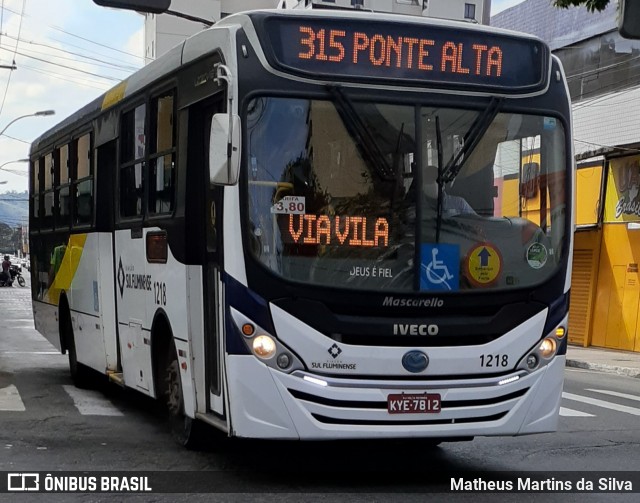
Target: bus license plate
[{"x": 414, "y": 404}]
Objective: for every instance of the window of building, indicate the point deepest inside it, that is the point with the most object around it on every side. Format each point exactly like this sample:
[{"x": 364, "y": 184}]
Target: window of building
[
  {"x": 469, "y": 11},
  {"x": 132, "y": 148},
  {"x": 162, "y": 158}
]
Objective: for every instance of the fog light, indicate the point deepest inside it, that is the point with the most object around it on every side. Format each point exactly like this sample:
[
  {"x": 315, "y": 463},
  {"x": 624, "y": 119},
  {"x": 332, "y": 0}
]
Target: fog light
[
  {"x": 284, "y": 361},
  {"x": 532, "y": 361},
  {"x": 264, "y": 346},
  {"x": 548, "y": 347}
]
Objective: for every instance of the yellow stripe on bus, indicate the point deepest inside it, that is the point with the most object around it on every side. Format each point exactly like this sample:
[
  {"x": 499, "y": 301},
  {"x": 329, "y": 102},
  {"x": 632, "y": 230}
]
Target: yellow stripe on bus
[
  {"x": 114, "y": 95},
  {"x": 68, "y": 267}
]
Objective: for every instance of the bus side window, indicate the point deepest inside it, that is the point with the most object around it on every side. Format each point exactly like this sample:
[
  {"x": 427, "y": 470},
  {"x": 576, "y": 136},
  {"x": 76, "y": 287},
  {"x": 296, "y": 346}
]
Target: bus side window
[
  {"x": 132, "y": 149},
  {"x": 162, "y": 155},
  {"x": 83, "y": 182}
]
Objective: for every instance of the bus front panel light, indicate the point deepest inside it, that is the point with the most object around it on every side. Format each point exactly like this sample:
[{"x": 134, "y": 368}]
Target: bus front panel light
[
  {"x": 283, "y": 361},
  {"x": 532, "y": 361},
  {"x": 547, "y": 347},
  {"x": 264, "y": 347}
]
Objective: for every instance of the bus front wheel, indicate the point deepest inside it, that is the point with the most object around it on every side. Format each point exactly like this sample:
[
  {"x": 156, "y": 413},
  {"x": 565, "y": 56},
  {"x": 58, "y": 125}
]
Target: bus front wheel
[{"x": 185, "y": 430}]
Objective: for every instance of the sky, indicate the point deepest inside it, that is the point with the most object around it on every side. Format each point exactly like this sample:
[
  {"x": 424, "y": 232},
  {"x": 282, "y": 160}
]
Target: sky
[{"x": 67, "y": 53}]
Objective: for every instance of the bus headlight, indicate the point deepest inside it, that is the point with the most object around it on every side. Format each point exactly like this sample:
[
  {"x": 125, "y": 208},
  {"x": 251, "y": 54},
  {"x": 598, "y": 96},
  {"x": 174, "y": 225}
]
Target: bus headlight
[
  {"x": 544, "y": 351},
  {"x": 548, "y": 347},
  {"x": 264, "y": 346}
]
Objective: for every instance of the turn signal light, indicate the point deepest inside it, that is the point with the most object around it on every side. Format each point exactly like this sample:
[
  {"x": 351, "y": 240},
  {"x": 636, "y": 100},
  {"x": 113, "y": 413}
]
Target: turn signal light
[{"x": 560, "y": 332}]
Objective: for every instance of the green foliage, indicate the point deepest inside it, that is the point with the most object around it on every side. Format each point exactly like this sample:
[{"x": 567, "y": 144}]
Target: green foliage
[{"x": 591, "y": 5}]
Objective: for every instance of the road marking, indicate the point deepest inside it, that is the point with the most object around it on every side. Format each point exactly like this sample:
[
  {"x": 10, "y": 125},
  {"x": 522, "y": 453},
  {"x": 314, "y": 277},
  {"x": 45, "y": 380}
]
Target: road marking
[
  {"x": 573, "y": 413},
  {"x": 91, "y": 403},
  {"x": 616, "y": 393},
  {"x": 602, "y": 403},
  {"x": 10, "y": 399},
  {"x": 30, "y": 352}
]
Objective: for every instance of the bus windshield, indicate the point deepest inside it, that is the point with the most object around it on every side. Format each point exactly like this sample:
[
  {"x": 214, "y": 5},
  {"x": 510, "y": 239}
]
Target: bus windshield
[{"x": 385, "y": 197}]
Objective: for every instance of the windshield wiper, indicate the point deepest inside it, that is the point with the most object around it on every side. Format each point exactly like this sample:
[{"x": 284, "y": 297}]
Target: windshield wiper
[
  {"x": 471, "y": 140},
  {"x": 359, "y": 131}
]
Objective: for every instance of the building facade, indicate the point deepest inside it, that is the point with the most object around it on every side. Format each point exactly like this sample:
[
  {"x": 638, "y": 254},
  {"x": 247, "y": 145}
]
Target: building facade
[
  {"x": 162, "y": 32},
  {"x": 604, "y": 77}
]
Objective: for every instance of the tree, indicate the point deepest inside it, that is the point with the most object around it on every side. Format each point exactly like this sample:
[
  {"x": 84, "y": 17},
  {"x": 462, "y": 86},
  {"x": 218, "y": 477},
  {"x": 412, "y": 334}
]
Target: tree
[{"x": 591, "y": 5}]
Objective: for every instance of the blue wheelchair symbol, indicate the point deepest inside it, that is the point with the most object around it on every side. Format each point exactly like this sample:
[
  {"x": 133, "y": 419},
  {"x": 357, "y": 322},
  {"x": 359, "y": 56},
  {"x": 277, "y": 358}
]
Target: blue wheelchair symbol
[{"x": 440, "y": 267}]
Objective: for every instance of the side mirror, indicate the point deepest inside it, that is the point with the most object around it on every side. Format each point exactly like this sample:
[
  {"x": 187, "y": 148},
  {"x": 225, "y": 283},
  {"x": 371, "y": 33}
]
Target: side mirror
[{"x": 224, "y": 149}]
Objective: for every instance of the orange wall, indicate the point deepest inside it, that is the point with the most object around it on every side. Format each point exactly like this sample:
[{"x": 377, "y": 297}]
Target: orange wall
[{"x": 615, "y": 315}]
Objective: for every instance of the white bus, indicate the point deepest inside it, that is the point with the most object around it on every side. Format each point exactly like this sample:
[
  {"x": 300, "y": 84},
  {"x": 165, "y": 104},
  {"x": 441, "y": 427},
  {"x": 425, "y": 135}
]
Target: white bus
[{"x": 318, "y": 225}]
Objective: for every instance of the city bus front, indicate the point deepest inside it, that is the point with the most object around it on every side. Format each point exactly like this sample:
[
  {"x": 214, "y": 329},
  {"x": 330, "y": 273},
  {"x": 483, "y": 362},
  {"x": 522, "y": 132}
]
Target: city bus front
[{"x": 406, "y": 245}]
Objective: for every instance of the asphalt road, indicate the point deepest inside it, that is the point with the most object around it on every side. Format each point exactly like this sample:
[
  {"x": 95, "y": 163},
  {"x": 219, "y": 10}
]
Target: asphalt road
[{"x": 46, "y": 424}]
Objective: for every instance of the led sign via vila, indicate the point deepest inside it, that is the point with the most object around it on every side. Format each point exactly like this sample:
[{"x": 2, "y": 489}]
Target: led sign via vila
[{"x": 346, "y": 231}]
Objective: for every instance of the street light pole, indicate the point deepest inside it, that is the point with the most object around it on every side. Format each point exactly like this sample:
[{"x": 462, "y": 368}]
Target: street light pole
[
  {"x": 10, "y": 162},
  {"x": 41, "y": 113},
  {"x": 2, "y": 167}
]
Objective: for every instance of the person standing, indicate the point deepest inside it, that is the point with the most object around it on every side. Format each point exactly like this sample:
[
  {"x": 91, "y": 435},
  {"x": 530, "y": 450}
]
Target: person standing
[{"x": 6, "y": 269}]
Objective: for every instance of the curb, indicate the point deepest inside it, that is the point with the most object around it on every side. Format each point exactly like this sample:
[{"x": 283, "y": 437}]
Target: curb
[{"x": 602, "y": 367}]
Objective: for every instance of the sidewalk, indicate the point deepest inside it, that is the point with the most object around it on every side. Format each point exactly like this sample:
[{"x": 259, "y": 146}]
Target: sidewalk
[{"x": 605, "y": 360}]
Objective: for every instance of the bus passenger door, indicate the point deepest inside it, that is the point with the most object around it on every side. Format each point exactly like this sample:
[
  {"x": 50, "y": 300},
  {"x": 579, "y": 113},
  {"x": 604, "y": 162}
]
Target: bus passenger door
[{"x": 210, "y": 207}]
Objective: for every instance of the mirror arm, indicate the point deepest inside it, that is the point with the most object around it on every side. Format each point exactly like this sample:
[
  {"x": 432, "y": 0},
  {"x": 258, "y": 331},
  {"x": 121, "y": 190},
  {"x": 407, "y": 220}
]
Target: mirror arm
[{"x": 223, "y": 74}]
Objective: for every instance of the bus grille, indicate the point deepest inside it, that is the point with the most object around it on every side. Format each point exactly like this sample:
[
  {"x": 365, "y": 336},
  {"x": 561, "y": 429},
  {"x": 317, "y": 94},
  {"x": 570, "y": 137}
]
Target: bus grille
[{"x": 336, "y": 411}]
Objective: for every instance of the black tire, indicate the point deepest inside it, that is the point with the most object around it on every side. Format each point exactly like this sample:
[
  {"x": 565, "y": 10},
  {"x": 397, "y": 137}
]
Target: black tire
[
  {"x": 80, "y": 375},
  {"x": 21, "y": 281},
  {"x": 186, "y": 431}
]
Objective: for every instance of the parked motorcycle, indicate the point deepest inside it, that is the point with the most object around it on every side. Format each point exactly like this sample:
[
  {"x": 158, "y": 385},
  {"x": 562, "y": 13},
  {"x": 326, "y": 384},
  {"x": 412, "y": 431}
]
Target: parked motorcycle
[{"x": 15, "y": 275}]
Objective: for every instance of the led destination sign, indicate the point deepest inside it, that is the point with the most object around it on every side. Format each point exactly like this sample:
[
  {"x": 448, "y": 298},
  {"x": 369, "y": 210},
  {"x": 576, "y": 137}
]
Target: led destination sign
[{"x": 419, "y": 54}]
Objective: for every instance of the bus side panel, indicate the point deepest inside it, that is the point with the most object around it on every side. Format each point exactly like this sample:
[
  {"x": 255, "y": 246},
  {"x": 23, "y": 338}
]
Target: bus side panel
[
  {"x": 84, "y": 298},
  {"x": 45, "y": 318},
  {"x": 145, "y": 290},
  {"x": 106, "y": 300},
  {"x": 132, "y": 287}
]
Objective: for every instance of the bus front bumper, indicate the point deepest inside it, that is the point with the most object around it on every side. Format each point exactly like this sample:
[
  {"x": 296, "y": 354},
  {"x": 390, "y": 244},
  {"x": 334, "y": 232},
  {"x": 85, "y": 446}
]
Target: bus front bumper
[{"x": 269, "y": 404}]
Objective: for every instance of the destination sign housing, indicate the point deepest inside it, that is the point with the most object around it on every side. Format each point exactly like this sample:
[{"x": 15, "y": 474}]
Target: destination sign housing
[{"x": 409, "y": 53}]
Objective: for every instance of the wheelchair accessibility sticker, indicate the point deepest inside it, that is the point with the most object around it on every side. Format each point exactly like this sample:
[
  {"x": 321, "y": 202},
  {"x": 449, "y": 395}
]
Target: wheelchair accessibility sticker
[
  {"x": 483, "y": 264},
  {"x": 440, "y": 267}
]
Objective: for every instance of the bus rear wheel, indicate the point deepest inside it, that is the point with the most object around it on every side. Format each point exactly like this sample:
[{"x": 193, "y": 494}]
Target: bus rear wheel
[
  {"x": 80, "y": 375},
  {"x": 185, "y": 430}
]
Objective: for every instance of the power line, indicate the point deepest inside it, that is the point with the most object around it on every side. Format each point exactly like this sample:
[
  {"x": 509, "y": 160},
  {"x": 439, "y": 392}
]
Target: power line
[
  {"x": 80, "y": 37},
  {"x": 5, "y": 135},
  {"x": 91, "y": 58},
  {"x": 110, "y": 67},
  {"x": 103, "y": 85},
  {"x": 6, "y": 89},
  {"x": 59, "y": 65}
]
